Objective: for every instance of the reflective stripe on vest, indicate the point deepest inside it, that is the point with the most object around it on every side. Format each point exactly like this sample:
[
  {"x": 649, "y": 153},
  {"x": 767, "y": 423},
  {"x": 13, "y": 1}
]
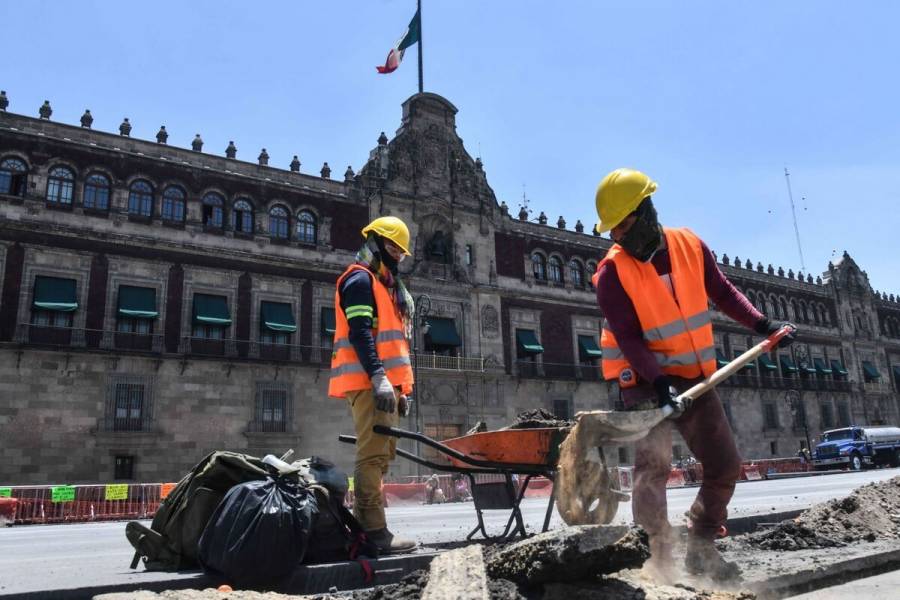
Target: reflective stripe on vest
[
  {"x": 677, "y": 330},
  {"x": 347, "y": 374}
]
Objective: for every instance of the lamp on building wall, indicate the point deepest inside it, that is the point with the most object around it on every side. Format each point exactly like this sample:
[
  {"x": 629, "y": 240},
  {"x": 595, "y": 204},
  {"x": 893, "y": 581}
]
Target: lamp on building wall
[
  {"x": 795, "y": 402},
  {"x": 420, "y": 322}
]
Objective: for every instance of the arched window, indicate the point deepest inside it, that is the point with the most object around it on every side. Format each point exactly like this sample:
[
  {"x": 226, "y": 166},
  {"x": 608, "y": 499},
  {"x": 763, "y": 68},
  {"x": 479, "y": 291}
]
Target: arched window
[
  {"x": 591, "y": 269},
  {"x": 782, "y": 304},
  {"x": 13, "y": 177},
  {"x": 804, "y": 312},
  {"x": 539, "y": 266},
  {"x": 306, "y": 227},
  {"x": 795, "y": 311},
  {"x": 824, "y": 315},
  {"x": 213, "y": 210},
  {"x": 576, "y": 273},
  {"x": 278, "y": 222},
  {"x": 96, "y": 192},
  {"x": 140, "y": 199},
  {"x": 242, "y": 216},
  {"x": 60, "y": 185},
  {"x": 173, "y": 204},
  {"x": 556, "y": 270}
]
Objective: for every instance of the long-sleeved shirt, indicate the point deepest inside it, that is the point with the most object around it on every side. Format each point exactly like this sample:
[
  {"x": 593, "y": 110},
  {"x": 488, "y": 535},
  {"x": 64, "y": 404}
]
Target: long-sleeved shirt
[
  {"x": 356, "y": 290},
  {"x": 623, "y": 321}
]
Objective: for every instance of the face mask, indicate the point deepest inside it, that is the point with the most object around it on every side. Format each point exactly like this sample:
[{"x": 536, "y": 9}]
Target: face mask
[
  {"x": 643, "y": 238},
  {"x": 385, "y": 256}
]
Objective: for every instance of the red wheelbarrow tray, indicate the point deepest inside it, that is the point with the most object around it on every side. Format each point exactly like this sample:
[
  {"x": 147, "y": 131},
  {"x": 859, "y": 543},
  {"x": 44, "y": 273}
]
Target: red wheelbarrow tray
[{"x": 539, "y": 446}]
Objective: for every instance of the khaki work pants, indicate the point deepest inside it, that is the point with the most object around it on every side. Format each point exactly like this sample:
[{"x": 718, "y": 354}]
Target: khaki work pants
[{"x": 374, "y": 452}]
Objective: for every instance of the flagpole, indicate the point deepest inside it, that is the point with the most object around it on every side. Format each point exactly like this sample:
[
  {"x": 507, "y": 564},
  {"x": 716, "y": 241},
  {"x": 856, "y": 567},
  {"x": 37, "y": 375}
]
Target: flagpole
[{"x": 419, "y": 7}]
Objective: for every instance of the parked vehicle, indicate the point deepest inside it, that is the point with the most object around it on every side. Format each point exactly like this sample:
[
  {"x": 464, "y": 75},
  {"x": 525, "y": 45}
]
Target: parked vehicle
[{"x": 858, "y": 448}]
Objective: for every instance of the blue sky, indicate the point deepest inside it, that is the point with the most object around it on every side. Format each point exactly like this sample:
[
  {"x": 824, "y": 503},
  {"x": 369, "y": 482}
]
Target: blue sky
[{"x": 712, "y": 99}]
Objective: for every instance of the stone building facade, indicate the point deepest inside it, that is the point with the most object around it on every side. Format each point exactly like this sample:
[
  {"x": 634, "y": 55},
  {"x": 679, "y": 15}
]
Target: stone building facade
[{"x": 158, "y": 303}]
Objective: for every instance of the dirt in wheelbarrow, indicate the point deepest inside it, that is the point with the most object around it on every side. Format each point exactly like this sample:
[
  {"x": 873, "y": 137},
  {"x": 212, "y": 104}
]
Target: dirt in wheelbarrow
[
  {"x": 536, "y": 419},
  {"x": 870, "y": 513}
]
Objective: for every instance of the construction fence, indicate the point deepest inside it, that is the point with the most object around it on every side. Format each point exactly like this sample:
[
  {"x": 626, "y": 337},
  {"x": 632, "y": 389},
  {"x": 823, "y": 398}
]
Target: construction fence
[{"x": 121, "y": 501}]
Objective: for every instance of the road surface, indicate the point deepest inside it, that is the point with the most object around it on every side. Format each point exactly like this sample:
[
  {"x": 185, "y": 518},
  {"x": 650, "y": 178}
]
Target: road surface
[{"x": 47, "y": 557}]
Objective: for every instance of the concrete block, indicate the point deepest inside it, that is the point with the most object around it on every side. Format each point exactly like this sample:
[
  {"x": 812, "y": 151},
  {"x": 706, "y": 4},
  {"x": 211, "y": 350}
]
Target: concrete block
[{"x": 457, "y": 574}]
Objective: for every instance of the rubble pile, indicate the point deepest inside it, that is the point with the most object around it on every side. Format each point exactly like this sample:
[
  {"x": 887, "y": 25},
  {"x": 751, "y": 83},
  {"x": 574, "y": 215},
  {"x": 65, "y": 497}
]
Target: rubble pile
[
  {"x": 870, "y": 513},
  {"x": 537, "y": 419}
]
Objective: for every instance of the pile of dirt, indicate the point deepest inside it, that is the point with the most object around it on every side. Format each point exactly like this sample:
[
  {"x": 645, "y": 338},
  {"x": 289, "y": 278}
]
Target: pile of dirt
[
  {"x": 537, "y": 419},
  {"x": 869, "y": 513}
]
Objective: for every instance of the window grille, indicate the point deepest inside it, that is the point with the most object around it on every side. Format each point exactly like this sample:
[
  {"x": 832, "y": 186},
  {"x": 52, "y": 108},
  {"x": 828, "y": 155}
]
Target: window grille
[
  {"x": 129, "y": 403},
  {"x": 13, "y": 177},
  {"x": 140, "y": 199},
  {"x": 124, "y": 467},
  {"x": 278, "y": 222},
  {"x": 770, "y": 416},
  {"x": 173, "y": 204},
  {"x": 213, "y": 211},
  {"x": 827, "y": 416},
  {"x": 96, "y": 192},
  {"x": 273, "y": 410},
  {"x": 306, "y": 227},
  {"x": 242, "y": 216},
  {"x": 60, "y": 185}
]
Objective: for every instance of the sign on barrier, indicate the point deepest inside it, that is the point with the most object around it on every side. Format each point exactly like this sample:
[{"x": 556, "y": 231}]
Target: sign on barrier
[
  {"x": 166, "y": 489},
  {"x": 62, "y": 493},
  {"x": 116, "y": 491},
  {"x": 752, "y": 473},
  {"x": 5, "y": 492}
]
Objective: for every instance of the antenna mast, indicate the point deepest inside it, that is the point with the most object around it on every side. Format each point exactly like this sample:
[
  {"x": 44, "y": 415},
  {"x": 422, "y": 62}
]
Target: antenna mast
[{"x": 787, "y": 177}]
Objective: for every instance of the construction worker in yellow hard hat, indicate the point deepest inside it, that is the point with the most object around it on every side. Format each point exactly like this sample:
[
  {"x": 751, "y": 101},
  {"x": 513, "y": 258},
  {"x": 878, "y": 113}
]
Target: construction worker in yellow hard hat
[
  {"x": 653, "y": 288},
  {"x": 370, "y": 365}
]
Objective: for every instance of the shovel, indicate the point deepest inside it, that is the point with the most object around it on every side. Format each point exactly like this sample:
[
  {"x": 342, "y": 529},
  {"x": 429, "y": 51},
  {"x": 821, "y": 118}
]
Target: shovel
[{"x": 586, "y": 494}]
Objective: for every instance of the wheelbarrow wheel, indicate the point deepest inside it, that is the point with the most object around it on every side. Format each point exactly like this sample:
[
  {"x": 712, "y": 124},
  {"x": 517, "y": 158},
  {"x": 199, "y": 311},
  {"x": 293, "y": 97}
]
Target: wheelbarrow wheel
[{"x": 586, "y": 494}]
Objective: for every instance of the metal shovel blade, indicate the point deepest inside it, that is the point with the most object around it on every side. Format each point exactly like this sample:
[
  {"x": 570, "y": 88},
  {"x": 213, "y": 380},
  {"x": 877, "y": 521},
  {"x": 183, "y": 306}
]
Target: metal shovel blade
[{"x": 605, "y": 426}]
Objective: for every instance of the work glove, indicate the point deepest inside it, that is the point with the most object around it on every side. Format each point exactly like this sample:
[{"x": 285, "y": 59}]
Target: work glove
[
  {"x": 383, "y": 391},
  {"x": 404, "y": 403},
  {"x": 667, "y": 394},
  {"x": 767, "y": 327}
]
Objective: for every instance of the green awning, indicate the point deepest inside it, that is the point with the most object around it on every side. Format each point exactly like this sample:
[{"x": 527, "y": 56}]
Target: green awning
[
  {"x": 747, "y": 365},
  {"x": 527, "y": 342},
  {"x": 442, "y": 332},
  {"x": 328, "y": 325},
  {"x": 805, "y": 368},
  {"x": 54, "y": 293},
  {"x": 766, "y": 363},
  {"x": 721, "y": 361},
  {"x": 137, "y": 302},
  {"x": 212, "y": 310},
  {"x": 587, "y": 348},
  {"x": 821, "y": 367},
  {"x": 870, "y": 371},
  {"x": 838, "y": 368},
  {"x": 277, "y": 316},
  {"x": 787, "y": 364}
]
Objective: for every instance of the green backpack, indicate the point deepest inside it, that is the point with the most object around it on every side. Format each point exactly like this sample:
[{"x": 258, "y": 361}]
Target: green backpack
[{"x": 171, "y": 541}]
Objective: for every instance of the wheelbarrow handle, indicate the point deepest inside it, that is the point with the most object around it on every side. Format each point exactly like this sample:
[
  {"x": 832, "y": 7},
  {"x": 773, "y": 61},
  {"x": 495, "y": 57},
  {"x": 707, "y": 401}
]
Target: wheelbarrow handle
[
  {"x": 351, "y": 439},
  {"x": 486, "y": 464}
]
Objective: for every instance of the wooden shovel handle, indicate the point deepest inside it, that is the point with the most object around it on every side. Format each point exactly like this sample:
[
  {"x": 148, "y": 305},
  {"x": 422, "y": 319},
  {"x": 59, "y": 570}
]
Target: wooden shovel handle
[{"x": 731, "y": 368}]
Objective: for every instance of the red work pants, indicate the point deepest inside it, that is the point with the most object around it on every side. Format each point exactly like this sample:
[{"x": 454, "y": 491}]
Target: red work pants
[{"x": 705, "y": 429}]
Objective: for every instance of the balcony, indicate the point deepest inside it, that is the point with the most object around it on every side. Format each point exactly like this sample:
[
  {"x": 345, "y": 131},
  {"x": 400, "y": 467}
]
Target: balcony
[
  {"x": 135, "y": 341},
  {"x": 439, "y": 362},
  {"x": 527, "y": 369}
]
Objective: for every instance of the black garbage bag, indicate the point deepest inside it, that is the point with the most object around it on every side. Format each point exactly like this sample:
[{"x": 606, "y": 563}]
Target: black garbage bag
[{"x": 259, "y": 532}]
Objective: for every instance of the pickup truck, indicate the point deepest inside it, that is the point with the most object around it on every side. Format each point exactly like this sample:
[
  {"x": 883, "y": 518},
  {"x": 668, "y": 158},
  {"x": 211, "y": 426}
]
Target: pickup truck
[{"x": 858, "y": 448}]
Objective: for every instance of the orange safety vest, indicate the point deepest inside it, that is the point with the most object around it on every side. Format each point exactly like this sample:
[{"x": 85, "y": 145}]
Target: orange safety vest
[
  {"x": 677, "y": 330},
  {"x": 347, "y": 374}
]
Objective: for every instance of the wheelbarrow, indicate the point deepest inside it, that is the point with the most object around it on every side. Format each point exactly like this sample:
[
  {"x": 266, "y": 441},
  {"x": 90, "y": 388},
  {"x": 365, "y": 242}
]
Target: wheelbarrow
[{"x": 505, "y": 454}]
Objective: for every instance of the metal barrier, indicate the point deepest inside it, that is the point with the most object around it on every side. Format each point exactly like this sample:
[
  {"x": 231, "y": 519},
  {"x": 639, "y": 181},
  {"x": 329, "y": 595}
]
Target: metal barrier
[{"x": 85, "y": 503}]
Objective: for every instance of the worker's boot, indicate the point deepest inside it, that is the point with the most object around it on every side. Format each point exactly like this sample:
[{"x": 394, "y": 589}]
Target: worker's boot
[
  {"x": 703, "y": 558},
  {"x": 389, "y": 544},
  {"x": 660, "y": 567}
]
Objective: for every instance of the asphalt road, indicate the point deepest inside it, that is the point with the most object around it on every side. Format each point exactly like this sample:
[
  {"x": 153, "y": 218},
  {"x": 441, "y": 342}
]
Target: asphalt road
[{"x": 36, "y": 557}]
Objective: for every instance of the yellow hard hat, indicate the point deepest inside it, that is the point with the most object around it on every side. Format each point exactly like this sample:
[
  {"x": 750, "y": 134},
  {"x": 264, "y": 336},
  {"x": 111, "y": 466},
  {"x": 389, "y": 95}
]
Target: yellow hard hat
[
  {"x": 391, "y": 228},
  {"x": 619, "y": 194}
]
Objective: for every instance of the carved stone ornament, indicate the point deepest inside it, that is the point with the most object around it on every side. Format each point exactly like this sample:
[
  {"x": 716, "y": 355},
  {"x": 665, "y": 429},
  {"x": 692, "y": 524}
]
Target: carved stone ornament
[{"x": 490, "y": 322}]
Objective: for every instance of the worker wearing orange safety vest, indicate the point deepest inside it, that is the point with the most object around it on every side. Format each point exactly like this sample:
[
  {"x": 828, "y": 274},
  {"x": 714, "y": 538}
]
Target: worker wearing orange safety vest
[
  {"x": 654, "y": 288},
  {"x": 370, "y": 365}
]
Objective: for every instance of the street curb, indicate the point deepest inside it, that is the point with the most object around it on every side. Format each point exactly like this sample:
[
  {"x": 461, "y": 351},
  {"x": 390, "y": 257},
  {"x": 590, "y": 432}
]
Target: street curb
[{"x": 792, "y": 584}]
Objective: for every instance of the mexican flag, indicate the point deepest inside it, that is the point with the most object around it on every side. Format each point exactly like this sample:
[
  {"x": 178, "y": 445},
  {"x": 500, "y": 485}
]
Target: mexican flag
[{"x": 409, "y": 37}]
